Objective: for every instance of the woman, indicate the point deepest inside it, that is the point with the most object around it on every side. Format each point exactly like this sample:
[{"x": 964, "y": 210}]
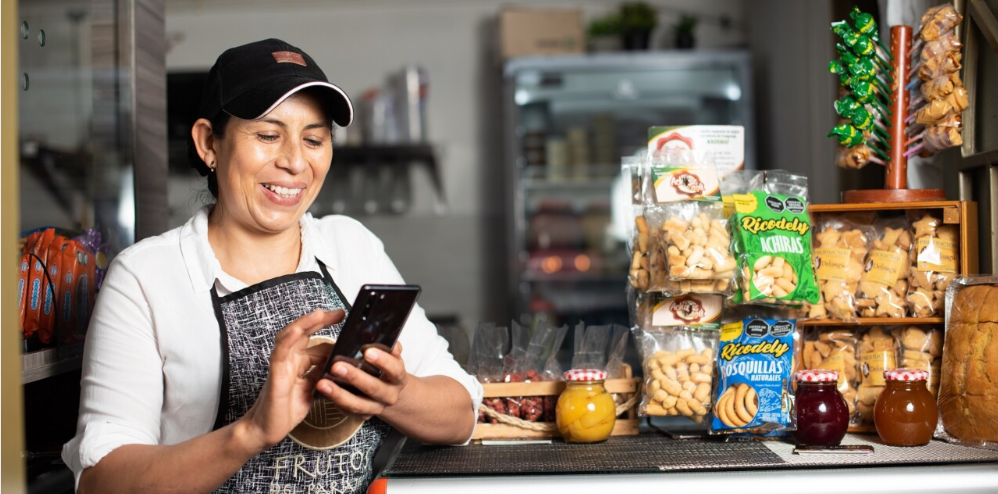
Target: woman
[{"x": 196, "y": 368}]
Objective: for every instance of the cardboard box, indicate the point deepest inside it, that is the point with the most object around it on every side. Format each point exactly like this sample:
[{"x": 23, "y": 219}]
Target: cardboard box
[
  {"x": 540, "y": 32},
  {"x": 726, "y": 142}
]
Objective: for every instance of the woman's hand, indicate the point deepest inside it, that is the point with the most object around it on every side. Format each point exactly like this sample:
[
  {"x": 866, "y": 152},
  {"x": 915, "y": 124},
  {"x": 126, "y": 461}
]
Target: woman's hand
[
  {"x": 286, "y": 396},
  {"x": 377, "y": 394}
]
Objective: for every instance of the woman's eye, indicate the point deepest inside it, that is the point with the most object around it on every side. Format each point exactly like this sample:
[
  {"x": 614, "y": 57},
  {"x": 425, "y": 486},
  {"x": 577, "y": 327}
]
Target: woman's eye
[
  {"x": 314, "y": 142},
  {"x": 267, "y": 137}
]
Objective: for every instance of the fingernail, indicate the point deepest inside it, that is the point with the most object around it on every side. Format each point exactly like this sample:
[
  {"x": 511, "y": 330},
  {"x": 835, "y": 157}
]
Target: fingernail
[
  {"x": 340, "y": 370},
  {"x": 372, "y": 355}
]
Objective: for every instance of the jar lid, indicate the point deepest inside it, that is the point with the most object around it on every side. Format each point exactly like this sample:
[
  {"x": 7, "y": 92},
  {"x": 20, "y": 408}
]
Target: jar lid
[
  {"x": 817, "y": 376},
  {"x": 905, "y": 374},
  {"x": 585, "y": 375}
]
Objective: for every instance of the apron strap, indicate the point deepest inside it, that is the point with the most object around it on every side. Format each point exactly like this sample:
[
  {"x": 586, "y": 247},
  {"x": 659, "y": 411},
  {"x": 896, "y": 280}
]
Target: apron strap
[
  {"x": 329, "y": 280},
  {"x": 223, "y": 395}
]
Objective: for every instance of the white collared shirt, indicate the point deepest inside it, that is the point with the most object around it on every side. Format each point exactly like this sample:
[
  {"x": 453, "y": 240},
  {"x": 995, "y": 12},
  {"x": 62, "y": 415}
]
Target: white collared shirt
[{"x": 152, "y": 365}]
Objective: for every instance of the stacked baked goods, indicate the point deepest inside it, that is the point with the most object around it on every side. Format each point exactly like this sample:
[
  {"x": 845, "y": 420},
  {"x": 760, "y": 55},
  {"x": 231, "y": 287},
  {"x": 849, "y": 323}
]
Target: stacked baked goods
[{"x": 968, "y": 391}]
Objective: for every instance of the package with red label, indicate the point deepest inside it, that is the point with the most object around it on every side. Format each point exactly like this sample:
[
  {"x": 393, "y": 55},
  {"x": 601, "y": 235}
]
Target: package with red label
[
  {"x": 685, "y": 210},
  {"x": 692, "y": 311}
]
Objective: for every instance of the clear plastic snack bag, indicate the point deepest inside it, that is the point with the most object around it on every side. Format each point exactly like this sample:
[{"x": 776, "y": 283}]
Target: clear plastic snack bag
[
  {"x": 834, "y": 349},
  {"x": 488, "y": 349},
  {"x": 678, "y": 371},
  {"x": 523, "y": 364},
  {"x": 695, "y": 239},
  {"x": 840, "y": 251},
  {"x": 922, "y": 348},
  {"x": 877, "y": 350},
  {"x": 683, "y": 195},
  {"x": 934, "y": 262},
  {"x": 884, "y": 283}
]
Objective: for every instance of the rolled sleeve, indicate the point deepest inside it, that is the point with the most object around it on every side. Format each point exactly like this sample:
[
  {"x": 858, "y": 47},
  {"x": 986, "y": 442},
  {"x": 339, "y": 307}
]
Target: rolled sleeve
[{"x": 121, "y": 395}]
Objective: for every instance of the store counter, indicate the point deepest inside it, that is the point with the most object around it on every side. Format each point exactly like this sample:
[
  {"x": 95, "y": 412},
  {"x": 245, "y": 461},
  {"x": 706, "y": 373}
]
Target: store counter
[{"x": 652, "y": 461}]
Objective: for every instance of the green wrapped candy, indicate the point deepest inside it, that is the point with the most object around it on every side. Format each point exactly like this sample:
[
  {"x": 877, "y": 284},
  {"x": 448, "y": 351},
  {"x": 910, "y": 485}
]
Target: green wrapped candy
[
  {"x": 864, "y": 22},
  {"x": 847, "y": 135},
  {"x": 845, "y": 106},
  {"x": 866, "y": 25},
  {"x": 861, "y": 119},
  {"x": 863, "y": 68}
]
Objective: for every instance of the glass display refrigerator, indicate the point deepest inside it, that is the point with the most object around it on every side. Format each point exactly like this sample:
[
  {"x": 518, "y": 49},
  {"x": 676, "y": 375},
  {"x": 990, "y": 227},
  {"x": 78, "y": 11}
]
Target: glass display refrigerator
[{"x": 568, "y": 122}]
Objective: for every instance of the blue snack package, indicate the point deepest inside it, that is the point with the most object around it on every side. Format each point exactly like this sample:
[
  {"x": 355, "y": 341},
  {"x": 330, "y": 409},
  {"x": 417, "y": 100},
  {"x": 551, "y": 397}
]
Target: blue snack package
[{"x": 755, "y": 367}]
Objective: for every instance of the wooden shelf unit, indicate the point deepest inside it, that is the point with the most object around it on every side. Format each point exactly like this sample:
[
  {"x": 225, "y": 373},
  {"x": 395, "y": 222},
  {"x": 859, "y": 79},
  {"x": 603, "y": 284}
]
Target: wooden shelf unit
[{"x": 962, "y": 213}]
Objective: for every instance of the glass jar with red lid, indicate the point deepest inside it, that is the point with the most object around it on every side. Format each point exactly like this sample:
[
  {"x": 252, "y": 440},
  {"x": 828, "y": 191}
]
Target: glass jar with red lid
[
  {"x": 586, "y": 412},
  {"x": 821, "y": 411},
  {"x": 905, "y": 413}
]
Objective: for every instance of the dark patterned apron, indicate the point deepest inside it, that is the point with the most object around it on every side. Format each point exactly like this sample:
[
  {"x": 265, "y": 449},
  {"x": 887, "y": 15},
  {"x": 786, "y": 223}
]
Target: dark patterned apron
[{"x": 341, "y": 455}]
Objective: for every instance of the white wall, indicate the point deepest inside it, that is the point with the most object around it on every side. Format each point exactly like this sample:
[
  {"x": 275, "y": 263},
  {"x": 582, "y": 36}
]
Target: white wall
[{"x": 458, "y": 257}]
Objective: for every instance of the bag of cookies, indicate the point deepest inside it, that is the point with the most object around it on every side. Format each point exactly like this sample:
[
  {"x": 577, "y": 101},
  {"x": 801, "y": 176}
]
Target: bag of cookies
[
  {"x": 755, "y": 362},
  {"x": 922, "y": 348},
  {"x": 678, "y": 370},
  {"x": 877, "y": 349},
  {"x": 772, "y": 241},
  {"x": 684, "y": 194},
  {"x": 884, "y": 284},
  {"x": 840, "y": 249},
  {"x": 968, "y": 389},
  {"x": 934, "y": 262},
  {"x": 694, "y": 237},
  {"x": 834, "y": 349},
  {"x": 648, "y": 271}
]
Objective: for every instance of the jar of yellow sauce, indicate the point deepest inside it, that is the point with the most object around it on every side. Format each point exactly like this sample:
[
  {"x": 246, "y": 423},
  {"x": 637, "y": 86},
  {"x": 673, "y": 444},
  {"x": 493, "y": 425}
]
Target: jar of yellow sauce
[{"x": 586, "y": 413}]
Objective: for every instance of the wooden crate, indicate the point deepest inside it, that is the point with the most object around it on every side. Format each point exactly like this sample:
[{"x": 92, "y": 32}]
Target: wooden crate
[
  {"x": 627, "y": 422},
  {"x": 962, "y": 213}
]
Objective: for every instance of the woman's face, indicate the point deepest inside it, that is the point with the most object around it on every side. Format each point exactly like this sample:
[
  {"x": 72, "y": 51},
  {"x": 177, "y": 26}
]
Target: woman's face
[{"x": 270, "y": 170}]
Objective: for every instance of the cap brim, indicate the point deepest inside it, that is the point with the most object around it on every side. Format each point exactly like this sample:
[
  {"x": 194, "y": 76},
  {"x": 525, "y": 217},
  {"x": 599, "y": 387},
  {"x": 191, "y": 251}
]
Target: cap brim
[{"x": 247, "y": 105}]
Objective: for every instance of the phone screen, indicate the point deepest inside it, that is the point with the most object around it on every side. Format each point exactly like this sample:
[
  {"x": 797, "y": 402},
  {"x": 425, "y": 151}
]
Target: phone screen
[{"x": 378, "y": 314}]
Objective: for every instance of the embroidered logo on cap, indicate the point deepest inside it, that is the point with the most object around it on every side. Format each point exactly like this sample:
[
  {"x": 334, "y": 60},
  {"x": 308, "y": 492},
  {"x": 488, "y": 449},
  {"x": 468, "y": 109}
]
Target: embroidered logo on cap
[{"x": 289, "y": 57}]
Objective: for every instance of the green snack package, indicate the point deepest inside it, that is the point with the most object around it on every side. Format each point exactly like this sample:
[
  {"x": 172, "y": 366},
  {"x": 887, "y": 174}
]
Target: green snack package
[{"x": 772, "y": 241}]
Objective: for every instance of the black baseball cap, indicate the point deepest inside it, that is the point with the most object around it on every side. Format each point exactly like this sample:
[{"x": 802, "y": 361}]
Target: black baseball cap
[{"x": 249, "y": 81}]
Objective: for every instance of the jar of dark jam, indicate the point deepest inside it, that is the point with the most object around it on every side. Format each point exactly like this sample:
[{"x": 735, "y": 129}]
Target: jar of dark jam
[
  {"x": 905, "y": 413},
  {"x": 821, "y": 411}
]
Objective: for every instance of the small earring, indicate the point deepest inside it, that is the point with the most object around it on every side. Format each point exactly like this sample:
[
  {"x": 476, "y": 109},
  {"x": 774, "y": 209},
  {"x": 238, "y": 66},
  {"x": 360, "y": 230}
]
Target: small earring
[{"x": 212, "y": 166}]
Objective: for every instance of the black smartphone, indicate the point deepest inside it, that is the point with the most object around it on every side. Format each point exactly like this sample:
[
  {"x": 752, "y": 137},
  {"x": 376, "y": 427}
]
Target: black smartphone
[{"x": 378, "y": 314}]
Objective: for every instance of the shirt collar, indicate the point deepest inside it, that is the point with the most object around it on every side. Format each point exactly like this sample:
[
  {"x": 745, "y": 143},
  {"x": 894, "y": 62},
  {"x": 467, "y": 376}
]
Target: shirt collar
[{"x": 203, "y": 267}]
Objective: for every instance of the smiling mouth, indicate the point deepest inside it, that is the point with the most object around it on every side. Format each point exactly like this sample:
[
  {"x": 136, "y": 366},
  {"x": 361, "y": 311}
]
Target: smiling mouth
[{"x": 283, "y": 191}]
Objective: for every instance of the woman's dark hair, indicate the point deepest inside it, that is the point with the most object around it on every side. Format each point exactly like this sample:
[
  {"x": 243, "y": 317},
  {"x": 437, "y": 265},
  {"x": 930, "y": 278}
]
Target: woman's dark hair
[{"x": 218, "y": 124}]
